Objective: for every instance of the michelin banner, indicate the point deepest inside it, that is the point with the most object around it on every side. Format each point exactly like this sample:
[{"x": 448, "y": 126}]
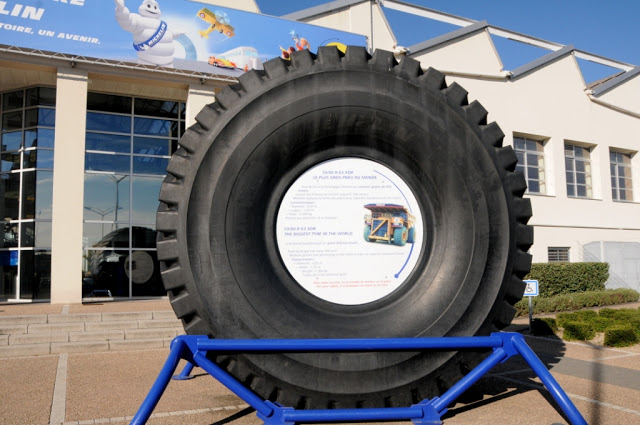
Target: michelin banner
[{"x": 170, "y": 33}]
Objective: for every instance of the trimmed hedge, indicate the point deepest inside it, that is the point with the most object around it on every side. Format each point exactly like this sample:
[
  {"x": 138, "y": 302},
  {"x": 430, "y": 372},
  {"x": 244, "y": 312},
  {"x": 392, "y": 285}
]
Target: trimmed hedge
[
  {"x": 621, "y": 336},
  {"x": 578, "y": 331},
  {"x": 570, "y": 302},
  {"x": 567, "y": 278}
]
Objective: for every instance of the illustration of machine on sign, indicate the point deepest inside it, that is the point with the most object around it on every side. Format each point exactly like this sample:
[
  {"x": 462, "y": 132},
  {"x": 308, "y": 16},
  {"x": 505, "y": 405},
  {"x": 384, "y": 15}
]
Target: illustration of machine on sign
[
  {"x": 218, "y": 21},
  {"x": 390, "y": 223}
]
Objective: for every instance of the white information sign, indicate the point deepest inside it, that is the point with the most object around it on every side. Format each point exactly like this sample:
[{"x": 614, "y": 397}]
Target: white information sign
[
  {"x": 349, "y": 231},
  {"x": 531, "y": 290}
]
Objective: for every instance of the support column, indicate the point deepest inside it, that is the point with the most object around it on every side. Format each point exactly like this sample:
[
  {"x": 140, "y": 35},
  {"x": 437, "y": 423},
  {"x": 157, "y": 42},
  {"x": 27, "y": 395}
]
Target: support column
[
  {"x": 68, "y": 186},
  {"x": 198, "y": 97}
]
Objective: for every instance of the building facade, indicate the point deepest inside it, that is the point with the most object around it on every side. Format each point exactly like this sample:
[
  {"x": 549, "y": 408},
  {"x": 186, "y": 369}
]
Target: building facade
[{"x": 85, "y": 143}]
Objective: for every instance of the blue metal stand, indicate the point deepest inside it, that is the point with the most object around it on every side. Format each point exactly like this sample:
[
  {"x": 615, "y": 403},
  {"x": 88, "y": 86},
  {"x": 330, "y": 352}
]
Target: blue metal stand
[{"x": 194, "y": 348}]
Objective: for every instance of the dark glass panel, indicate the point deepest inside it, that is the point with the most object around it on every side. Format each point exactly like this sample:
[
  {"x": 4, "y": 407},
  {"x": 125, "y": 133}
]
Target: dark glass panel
[
  {"x": 518, "y": 143},
  {"x": 43, "y": 96},
  {"x": 568, "y": 163},
  {"x": 111, "y": 163},
  {"x": 40, "y": 116},
  {"x": 582, "y": 191},
  {"x": 35, "y": 275},
  {"x": 38, "y": 158},
  {"x": 532, "y": 159},
  {"x": 145, "y": 198},
  {"x": 108, "y": 103},
  {"x": 8, "y": 274},
  {"x": 571, "y": 190},
  {"x": 10, "y": 161},
  {"x": 9, "y": 235},
  {"x": 144, "y": 271},
  {"x": 13, "y": 100},
  {"x": 9, "y": 194},
  {"x": 106, "y": 197},
  {"x": 533, "y": 186},
  {"x": 150, "y": 165},
  {"x": 155, "y": 127},
  {"x": 11, "y": 141},
  {"x": 42, "y": 138},
  {"x": 102, "y": 234},
  {"x": 151, "y": 146},
  {"x": 143, "y": 236},
  {"x": 108, "y": 122},
  {"x": 108, "y": 142},
  {"x": 104, "y": 273},
  {"x": 531, "y": 145},
  {"x": 37, "y": 234},
  {"x": 534, "y": 173},
  {"x": 580, "y": 166},
  {"x": 12, "y": 121},
  {"x": 37, "y": 190},
  {"x": 156, "y": 108},
  {"x": 581, "y": 178},
  {"x": 569, "y": 176},
  {"x": 613, "y": 156}
]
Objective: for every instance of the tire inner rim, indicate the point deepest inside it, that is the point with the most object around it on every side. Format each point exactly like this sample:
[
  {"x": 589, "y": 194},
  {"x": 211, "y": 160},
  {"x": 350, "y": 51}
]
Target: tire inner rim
[{"x": 349, "y": 231}]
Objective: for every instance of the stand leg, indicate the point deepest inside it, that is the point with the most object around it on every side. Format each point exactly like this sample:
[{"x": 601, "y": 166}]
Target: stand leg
[
  {"x": 549, "y": 381},
  {"x": 185, "y": 374},
  {"x": 156, "y": 391}
]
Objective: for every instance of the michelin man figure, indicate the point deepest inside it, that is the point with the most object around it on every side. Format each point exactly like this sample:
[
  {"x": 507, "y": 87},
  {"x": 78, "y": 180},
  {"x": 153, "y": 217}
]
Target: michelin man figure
[{"x": 151, "y": 37}]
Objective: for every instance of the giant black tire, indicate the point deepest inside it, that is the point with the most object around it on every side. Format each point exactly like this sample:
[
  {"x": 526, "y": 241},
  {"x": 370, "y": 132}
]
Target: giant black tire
[{"x": 219, "y": 257}]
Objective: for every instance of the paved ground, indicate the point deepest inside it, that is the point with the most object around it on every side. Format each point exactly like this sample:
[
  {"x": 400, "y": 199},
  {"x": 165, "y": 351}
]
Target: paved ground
[{"x": 109, "y": 387}]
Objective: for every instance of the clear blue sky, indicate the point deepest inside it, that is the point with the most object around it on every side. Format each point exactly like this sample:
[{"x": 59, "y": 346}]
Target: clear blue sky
[{"x": 606, "y": 28}]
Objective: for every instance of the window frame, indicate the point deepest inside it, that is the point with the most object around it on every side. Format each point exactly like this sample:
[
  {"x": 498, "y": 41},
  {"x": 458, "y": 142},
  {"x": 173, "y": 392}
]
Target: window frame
[
  {"x": 575, "y": 160},
  {"x": 614, "y": 168},
  {"x": 526, "y": 168}
]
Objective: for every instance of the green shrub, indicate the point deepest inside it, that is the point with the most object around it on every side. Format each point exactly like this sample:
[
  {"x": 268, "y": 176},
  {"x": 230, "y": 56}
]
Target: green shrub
[
  {"x": 600, "y": 324},
  {"x": 578, "y": 331},
  {"x": 544, "y": 326},
  {"x": 569, "y": 302},
  {"x": 620, "y": 336},
  {"x": 566, "y": 278}
]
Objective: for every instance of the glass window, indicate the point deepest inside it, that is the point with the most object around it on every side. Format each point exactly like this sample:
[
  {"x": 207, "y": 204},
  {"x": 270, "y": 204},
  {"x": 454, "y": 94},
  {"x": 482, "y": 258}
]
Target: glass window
[
  {"x": 155, "y": 127},
  {"x": 25, "y": 193},
  {"x": 157, "y": 108},
  {"x": 530, "y": 154},
  {"x": 104, "y": 273},
  {"x": 36, "y": 234},
  {"x": 578, "y": 171},
  {"x": 108, "y": 142},
  {"x": 35, "y": 274},
  {"x": 125, "y": 165},
  {"x": 41, "y": 96},
  {"x": 13, "y": 100},
  {"x": 108, "y": 103},
  {"x": 151, "y": 146},
  {"x": 37, "y": 192},
  {"x": 11, "y": 141},
  {"x": 108, "y": 122},
  {"x": 42, "y": 138},
  {"x": 40, "y": 116},
  {"x": 150, "y": 165},
  {"x": 10, "y": 161},
  {"x": 12, "y": 121},
  {"x": 104, "y": 162},
  {"x": 9, "y": 235},
  {"x": 145, "y": 198},
  {"x": 39, "y": 158},
  {"x": 106, "y": 197},
  {"x": 10, "y": 191},
  {"x": 8, "y": 274},
  {"x": 621, "y": 181}
]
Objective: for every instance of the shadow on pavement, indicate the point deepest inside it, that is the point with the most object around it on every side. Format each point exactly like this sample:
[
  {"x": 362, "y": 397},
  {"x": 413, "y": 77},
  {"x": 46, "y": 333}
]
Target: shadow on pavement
[{"x": 235, "y": 416}]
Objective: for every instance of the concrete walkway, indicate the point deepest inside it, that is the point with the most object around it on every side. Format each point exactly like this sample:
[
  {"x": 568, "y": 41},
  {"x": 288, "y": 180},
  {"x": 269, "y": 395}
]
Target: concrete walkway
[{"x": 91, "y": 388}]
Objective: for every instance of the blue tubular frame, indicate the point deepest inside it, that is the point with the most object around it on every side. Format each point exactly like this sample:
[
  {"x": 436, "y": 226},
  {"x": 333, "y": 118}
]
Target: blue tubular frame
[{"x": 194, "y": 348}]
